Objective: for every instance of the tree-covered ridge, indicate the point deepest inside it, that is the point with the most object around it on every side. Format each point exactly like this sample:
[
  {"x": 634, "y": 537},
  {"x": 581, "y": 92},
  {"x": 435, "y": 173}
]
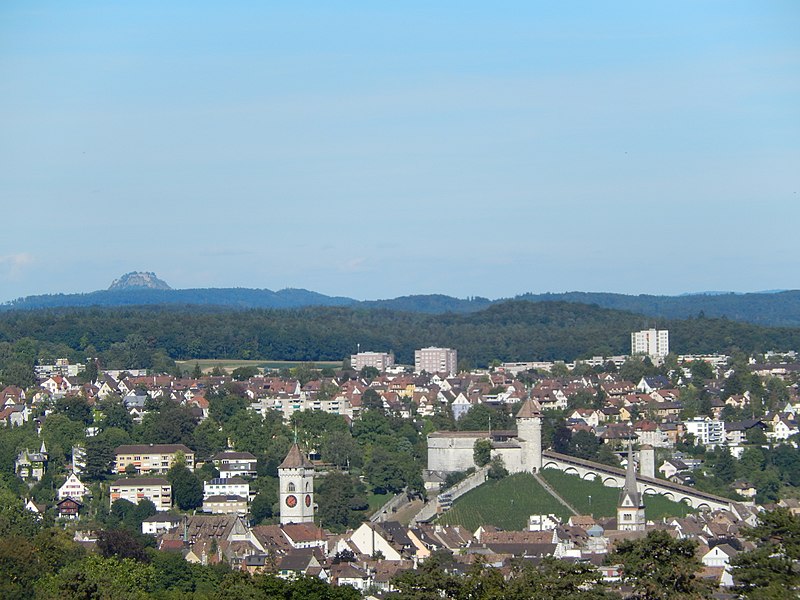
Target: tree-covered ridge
[
  {"x": 512, "y": 331},
  {"x": 772, "y": 309}
]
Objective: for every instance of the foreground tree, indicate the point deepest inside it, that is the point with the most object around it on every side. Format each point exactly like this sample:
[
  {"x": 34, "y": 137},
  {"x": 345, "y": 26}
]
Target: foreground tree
[
  {"x": 771, "y": 569},
  {"x": 659, "y": 567}
]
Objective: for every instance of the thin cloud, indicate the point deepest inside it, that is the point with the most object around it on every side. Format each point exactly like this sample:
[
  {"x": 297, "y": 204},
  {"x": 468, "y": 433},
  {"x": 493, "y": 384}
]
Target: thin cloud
[{"x": 14, "y": 264}]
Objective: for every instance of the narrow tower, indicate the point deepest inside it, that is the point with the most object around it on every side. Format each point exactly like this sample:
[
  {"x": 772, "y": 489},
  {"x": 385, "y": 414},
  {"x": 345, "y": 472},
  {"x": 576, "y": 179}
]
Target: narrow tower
[
  {"x": 529, "y": 434},
  {"x": 296, "y": 474},
  {"x": 630, "y": 511}
]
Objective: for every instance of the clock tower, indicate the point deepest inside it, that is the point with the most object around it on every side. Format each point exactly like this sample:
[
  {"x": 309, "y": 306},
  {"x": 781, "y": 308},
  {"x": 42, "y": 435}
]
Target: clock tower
[{"x": 296, "y": 474}]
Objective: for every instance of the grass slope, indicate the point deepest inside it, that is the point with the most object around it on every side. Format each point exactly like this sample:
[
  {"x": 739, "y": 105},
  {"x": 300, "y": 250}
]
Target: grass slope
[
  {"x": 592, "y": 497},
  {"x": 509, "y": 502},
  {"x": 506, "y": 503}
]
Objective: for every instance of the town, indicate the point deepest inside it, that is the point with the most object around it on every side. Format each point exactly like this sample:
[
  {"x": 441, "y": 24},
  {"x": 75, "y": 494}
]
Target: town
[{"x": 362, "y": 474}]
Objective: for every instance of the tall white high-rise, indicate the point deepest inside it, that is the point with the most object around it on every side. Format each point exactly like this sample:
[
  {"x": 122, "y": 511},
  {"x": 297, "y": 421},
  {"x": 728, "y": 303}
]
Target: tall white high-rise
[
  {"x": 652, "y": 342},
  {"x": 436, "y": 360}
]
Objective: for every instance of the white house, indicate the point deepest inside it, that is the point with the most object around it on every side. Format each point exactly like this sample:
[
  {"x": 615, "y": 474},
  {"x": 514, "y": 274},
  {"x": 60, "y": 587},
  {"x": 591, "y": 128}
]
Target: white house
[
  {"x": 72, "y": 488},
  {"x": 368, "y": 539}
]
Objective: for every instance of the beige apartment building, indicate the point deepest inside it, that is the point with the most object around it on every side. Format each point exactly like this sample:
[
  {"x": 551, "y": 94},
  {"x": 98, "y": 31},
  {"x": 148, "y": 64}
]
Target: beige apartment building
[
  {"x": 151, "y": 458},
  {"x": 155, "y": 489}
]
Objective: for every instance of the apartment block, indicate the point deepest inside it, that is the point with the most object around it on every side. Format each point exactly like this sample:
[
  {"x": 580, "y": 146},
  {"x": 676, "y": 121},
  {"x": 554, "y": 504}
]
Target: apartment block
[
  {"x": 155, "y": 489},
  {"x": 151, "y": 458},
  {"x": 651, "y": 342},
  {"x": 436, "y": 360},
  {"x": 379, "y": 360}
]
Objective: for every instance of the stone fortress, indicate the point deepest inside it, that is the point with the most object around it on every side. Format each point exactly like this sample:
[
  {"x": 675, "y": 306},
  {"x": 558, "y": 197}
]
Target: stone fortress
[{"x": 522, "y": 452}]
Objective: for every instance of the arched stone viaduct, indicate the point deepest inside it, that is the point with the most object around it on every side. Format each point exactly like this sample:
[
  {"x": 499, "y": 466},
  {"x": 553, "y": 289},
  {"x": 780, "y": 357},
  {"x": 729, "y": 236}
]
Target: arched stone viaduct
[{"x": 614, "y": 477}]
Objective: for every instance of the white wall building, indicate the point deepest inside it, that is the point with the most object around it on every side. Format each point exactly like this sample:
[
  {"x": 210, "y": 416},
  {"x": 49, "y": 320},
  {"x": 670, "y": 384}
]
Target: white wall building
[
  {"x": 72, "y": 488},
  {"x": 379, "y": 360},
  {"x": 652, "y": 342},
  {"x": 436, "y": 360},
  {"x": 706, "y": 431},
  {"x": 220, "y": 486}
]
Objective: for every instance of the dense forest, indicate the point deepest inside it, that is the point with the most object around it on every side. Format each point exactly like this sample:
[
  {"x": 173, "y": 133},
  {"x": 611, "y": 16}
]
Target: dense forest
[
  {"x": 139, "y": 337},
  {"x": 773, "y": 309}
]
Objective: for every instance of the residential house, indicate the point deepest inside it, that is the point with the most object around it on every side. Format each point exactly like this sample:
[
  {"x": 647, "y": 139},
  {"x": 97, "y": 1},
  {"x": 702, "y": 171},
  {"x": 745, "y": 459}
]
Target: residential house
[
  {"x": 68, "y": 508},
  {"x": 160, "y": 523},
  {"x": 72, "y": 488}
]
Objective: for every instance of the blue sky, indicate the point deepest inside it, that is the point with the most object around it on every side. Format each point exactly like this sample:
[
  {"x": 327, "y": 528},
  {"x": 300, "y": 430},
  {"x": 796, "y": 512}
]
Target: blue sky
[{"x": 381, "y": 149}]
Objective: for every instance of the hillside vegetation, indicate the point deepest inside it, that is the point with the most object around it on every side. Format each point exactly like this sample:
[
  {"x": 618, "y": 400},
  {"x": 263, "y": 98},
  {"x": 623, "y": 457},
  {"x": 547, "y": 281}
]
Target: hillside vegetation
[
  {"x": 512, "y": 331},
  {"x": 766, "y": 308}
]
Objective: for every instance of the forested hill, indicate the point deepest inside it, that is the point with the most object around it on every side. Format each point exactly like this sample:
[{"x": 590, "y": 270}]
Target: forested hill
[
  {"x": 773, "y": 309},
  {"x": 763, "y": 308},
  {"x": 227, "y": 297},
  {"x": 509, "y": 331}
]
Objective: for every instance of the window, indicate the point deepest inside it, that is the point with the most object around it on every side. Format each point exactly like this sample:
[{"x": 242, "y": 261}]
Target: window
[{"x": 290, "y": 487}]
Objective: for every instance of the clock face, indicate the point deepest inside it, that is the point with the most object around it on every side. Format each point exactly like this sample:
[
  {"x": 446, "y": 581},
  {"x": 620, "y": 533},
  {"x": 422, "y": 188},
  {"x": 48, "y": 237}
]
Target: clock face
[
  {"x": 291, "y": 501},
  {"x": 308, "y": 500}
]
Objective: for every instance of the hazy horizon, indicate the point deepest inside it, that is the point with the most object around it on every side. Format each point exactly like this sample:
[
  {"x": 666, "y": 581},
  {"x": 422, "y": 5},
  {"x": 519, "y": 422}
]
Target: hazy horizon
[{"x": 376, "y": 151}]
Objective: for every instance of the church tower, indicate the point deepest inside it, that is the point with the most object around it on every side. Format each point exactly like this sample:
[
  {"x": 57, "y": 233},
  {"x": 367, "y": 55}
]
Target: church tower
[
  {"x": 529, "y": 434},
  {"x": 296, "y": 474},
  {"x": 630, "y": 511}
]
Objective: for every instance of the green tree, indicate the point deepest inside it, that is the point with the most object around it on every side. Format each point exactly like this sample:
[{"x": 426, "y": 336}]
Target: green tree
[
  {"x": 368, "y": 373},
  {"x": 769, "y": 571},
  {"x": 342, "y": 501},
  {"x": 99, "y": 578},
  {"x": 187, "y": 489},
  {"x": 340, "y": 449},
  {"x": 497, "y": 469},
  {"x": 659, "y": 567},
  {"x": 371, "y": 400},
  {"x": 244, "y": 373},
  {"x": 75, "y": 408},
  {"x": 482, "y": 452}
]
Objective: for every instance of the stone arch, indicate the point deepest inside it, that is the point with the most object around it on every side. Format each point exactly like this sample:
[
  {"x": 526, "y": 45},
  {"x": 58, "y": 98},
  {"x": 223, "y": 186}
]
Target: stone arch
[
  {"x": 571, "y": 471},
  {"x": 550, "y": 465},
  {"x": 610, "y": 482},
  {"x": 669, "y": 495},
  {"x": 589, "y": 476},
  {"x": 704, "y": 507},
  {"x": 687, "y": 500},
  {"x": 650, "y": 491}
]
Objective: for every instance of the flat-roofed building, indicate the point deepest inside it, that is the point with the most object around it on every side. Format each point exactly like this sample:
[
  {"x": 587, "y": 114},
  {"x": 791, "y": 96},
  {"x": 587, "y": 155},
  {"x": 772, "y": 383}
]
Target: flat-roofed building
[
  {"x": 151, "y": 458},
  {"x": 436, "y": 360},
  {"x": 136, "y": 489},
  {"x": 379, "y": 360},
  {"x": 231, "y": 464},
  {"x": 651, "y": 342}
]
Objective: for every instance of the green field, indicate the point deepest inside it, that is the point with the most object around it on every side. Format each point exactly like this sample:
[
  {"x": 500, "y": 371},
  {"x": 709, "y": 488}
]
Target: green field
[
  {"x": 592, "y": 497},
  {"x": 375, "y": 501},
  {"x": 509, "y": 502},
  {"x": 207, "y": 364},
  {"x": 506, "y": 503}
]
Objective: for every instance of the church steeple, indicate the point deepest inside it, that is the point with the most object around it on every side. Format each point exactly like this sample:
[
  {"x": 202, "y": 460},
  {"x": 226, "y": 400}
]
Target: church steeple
[
  {"x": 296, "y": 475},
  {"x": 630, "y": 511}
]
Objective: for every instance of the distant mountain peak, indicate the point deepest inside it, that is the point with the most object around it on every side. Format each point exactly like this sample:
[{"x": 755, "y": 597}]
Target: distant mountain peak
[{"x": 138, "y": 280}]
